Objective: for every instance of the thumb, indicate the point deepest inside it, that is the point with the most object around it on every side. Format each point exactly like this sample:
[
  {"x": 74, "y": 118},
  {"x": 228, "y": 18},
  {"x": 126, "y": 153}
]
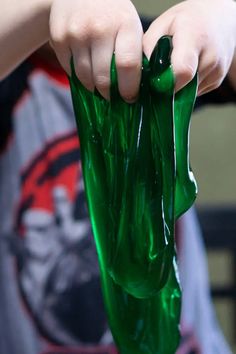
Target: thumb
[
  {"x": 157, "y": 29},
  {"x": 184, "y": 59}
]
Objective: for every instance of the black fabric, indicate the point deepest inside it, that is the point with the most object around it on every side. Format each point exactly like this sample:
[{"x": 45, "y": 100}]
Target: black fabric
[
  {"x": 11, "y": 90},
  {"x": 146, "y": 23},
  {"x": 222, "y": 95}
]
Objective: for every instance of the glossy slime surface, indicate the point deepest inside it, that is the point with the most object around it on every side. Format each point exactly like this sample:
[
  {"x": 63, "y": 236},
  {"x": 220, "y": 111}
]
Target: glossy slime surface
[{"x": 135, "y": 160}]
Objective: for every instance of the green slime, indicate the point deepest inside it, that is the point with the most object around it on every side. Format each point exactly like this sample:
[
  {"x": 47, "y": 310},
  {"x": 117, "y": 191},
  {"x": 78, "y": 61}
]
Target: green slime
[{"x": 138, "y": 181}]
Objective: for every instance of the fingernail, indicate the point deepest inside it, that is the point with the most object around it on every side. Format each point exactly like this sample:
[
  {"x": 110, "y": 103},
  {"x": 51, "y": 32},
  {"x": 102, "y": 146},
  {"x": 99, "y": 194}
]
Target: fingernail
[{"x": 130, "y": 100}]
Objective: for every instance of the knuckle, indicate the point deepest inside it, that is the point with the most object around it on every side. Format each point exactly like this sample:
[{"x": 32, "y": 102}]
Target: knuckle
[
  {"x": 128, "y": 62},
  {"x": 77, "y": 32},
  {"x": 73, "y": 29},
  {"x": 102, "y": 82},
  {"x": 180, "y": 23},
  {"x": 99, "y": 28},
  {"x": 57, "y": 36},
  {"x": 203, "y": 37}
]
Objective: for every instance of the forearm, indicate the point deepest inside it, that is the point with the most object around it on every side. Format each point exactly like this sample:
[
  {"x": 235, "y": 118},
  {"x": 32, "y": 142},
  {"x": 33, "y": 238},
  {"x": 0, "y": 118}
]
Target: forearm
[{"x": 23, "y": 28}]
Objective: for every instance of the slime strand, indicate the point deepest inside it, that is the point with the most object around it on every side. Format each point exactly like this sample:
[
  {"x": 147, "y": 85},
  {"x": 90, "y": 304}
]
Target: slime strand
[{"x": 138, "y": 180}]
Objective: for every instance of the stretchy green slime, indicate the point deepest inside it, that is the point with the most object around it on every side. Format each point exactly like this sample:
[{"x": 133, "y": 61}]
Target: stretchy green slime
[{"x": 138, "y": 181}]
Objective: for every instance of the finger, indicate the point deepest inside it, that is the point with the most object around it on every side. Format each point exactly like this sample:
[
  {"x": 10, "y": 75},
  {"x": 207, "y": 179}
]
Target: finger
[
  {"x": 207, "y": 89},
  {"x": 128, "y": 56},
  {"x": 185, "y": 53},
  {"x": 184, "y": 58},
  {"x": 157, "y": 29},
  {"x": 209, "y": 64},
  {"x": 211, "y": 82},
  {"x": 83, "y": 66},
  {"x": 101, "y": 54},
  {"x": 61, "y": 49},
  {"x": 211, "y": 72}
]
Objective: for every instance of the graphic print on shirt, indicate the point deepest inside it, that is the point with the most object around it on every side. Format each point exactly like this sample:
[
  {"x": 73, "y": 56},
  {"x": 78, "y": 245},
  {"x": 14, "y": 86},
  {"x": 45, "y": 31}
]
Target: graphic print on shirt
[{"x": 57, "y": 261}]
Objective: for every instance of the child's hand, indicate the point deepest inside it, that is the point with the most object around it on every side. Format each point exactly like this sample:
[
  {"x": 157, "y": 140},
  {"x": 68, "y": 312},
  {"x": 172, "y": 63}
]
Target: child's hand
[
  {"x": 90, "y": 31},
  {"x": 204, "y": 39}
]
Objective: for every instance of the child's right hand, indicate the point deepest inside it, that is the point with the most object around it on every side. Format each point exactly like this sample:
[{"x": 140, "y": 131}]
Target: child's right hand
[{"x": 91, "y": 31}]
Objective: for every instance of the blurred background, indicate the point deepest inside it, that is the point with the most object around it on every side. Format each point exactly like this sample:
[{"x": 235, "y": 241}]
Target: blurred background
[{"x": 212, "y": 149}]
